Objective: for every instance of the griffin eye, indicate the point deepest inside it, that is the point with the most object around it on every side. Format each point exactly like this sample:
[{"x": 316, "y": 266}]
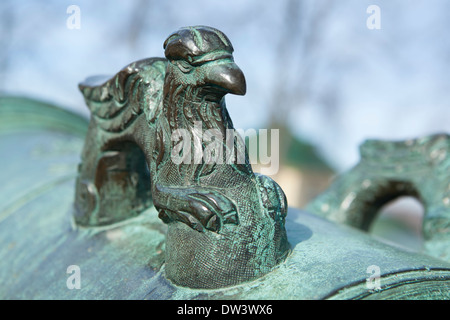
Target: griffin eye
[{"x": 184, "y": 66}]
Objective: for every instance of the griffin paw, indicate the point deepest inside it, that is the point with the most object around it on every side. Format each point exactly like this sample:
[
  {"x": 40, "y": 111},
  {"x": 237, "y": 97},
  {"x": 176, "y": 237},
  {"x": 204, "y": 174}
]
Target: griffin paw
[
  {"x": 213, "y": 210},
  {"x": 199, "y": 209}
]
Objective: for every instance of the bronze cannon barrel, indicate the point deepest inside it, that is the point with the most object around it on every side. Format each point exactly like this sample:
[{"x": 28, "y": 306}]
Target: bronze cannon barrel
[{"x": 40, "y": 242}]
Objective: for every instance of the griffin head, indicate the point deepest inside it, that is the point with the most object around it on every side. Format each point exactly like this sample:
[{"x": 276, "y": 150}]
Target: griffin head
[{"x": 201, "y": 59}]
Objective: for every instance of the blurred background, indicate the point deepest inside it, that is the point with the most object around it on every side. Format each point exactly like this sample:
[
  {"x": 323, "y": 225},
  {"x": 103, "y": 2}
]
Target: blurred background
[{"x": 315, "y": 70}]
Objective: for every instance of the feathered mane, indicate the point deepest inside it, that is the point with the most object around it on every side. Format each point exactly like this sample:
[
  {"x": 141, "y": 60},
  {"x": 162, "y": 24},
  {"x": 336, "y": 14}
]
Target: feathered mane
[{"x": 183, "y": 106}]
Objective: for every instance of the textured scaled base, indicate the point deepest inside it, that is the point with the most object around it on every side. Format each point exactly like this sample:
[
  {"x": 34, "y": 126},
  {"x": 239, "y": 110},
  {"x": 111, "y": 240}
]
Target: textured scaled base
[
  {"x": 235, "y": 254},
  {"x": 202, "y": 246}
]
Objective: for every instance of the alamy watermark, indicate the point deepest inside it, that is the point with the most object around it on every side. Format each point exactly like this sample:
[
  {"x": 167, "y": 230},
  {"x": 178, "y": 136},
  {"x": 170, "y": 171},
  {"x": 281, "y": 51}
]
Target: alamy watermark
[
  {"x": 74, "y": 20},
  {"x": 212, "y": 147},
  {"x": 74, "y": 280},
  {"x": 373, "y": 22},
  {"x": 373, "y": 281}
]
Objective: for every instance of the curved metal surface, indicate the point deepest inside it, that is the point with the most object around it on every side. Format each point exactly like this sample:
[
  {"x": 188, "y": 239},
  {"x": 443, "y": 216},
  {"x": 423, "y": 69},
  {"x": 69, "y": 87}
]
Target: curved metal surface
[{"x": 126, "y": 260}]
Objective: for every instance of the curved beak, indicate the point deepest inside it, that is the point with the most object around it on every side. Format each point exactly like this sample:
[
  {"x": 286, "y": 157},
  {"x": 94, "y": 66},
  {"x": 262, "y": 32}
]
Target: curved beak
[{"x": 228, "y": 76}]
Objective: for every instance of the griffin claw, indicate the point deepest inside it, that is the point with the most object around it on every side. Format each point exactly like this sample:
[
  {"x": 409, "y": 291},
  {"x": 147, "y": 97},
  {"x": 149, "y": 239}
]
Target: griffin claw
[
  {"x": 213, "y": 210},
  {"x": 203, "y": 211}
]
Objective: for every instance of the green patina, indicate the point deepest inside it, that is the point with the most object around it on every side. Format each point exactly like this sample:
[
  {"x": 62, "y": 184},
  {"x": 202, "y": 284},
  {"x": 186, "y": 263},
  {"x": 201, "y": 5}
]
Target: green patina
[
  {"x": 224, "y": 230},
  {"x": 126, "y": 260},
  {"x": 225, "y": 224},
  {"x": 388, "y": 170}
]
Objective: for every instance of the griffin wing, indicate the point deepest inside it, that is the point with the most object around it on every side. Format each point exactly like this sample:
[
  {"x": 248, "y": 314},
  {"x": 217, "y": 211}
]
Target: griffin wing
[{"x": 117, "y": 101}]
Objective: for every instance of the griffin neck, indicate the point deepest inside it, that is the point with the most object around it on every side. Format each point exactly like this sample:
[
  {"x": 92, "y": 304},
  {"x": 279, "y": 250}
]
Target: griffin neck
[
  {"x": 184, "y": 105},
  {"x": 189, "y": 108}
]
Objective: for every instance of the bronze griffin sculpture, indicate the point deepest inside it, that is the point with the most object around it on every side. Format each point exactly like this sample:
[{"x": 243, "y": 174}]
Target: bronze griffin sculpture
[
  {"x": 226, "y": 224},
  {"x": 158, "y": 144}
]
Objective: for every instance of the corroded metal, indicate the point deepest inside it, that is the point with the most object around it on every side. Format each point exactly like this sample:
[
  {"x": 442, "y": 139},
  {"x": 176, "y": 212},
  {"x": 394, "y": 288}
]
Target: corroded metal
[
  {"x": 386, "y": 171},
  {"x": 116, "y": 238},
  {"x": 225, "y": 223},
  {"x": 126, "y": 260}
]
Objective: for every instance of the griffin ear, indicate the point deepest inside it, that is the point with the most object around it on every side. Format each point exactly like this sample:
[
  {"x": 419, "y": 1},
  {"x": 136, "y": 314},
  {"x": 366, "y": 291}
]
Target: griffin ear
[
  {"x": 168, "y": 44},
  {"x": 175, "y": 49},
  {"x": 169, "y": 39}
]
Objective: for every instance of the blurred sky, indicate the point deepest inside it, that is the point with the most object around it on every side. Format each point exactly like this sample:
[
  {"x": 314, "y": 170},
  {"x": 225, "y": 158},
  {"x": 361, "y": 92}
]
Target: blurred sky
[{"x": 335, "y": 81}]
